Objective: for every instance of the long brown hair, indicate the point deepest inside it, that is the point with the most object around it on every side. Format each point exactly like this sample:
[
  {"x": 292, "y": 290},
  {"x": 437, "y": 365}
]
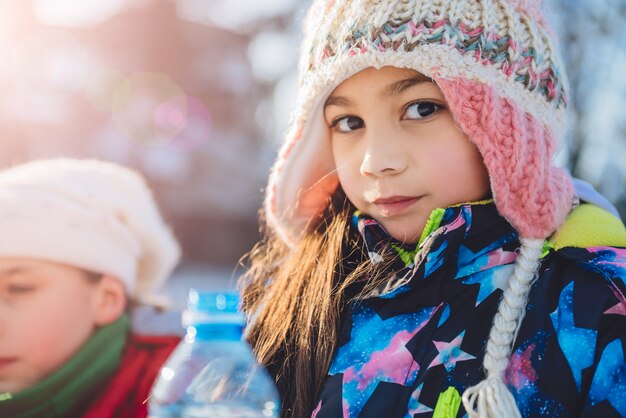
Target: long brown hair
[{"x": 294, "y": 297}]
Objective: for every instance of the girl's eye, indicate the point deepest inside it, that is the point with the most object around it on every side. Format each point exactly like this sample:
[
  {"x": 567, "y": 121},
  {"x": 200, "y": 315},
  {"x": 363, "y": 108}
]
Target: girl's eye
[
  {"x": 348, "y": 124},
  {"x": 18, "y": 289},
  {"x": 420, "y": 110}
]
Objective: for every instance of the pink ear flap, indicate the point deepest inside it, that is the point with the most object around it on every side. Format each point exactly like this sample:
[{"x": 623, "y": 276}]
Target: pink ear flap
[
  {"x": 303, "y": 178},
  {"x": 530, "y": 192}
]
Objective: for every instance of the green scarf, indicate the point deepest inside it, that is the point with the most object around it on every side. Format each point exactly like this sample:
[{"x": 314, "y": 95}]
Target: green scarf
[{"x": 69, "y": 390}]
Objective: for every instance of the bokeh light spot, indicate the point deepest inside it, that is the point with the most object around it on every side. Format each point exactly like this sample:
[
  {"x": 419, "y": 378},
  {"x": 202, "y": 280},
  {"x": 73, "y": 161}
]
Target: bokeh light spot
[
  {"x": 170, "y": 116},
  {"x": 139, "y": 103},
  {"x": 238, "y": 16},
  {"x": 100, "y": 87},
  {"x": 271, "y": 54},
  {"x": 197, "y": 128},
  {"x": 76, "y": 13},
  {"x": 52, "y": 62}
]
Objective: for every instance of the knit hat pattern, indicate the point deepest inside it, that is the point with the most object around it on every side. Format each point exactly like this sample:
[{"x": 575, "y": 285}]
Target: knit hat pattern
[
  {"x": 89, "y": 214},
  {"x": 497, "y": 66}
]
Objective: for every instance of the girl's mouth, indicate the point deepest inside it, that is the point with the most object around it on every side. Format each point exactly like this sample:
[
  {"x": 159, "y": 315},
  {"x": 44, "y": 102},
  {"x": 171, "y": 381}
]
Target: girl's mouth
[
  {"x": 6, "y": 361},
  {"x": 394, "y": 205}
]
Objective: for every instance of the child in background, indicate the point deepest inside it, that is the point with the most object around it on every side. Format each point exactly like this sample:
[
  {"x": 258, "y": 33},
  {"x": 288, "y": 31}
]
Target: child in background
[
  {"x": 80, "y": 240},
  {"x": 422, "y": 254}
]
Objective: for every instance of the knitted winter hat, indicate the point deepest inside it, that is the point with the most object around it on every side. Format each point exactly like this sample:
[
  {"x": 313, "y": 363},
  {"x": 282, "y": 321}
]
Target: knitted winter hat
[
  {"x": 90, "y": 214},
  {"x": 496, "y": 64}
]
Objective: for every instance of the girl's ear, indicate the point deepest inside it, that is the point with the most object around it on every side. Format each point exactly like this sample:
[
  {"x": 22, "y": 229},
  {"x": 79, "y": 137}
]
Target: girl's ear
[{"x": 110, "y": 300}]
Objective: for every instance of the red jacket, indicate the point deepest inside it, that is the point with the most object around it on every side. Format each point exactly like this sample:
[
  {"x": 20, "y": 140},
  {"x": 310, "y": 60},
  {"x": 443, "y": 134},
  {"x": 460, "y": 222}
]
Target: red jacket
[{"x": 126, "y": 394}]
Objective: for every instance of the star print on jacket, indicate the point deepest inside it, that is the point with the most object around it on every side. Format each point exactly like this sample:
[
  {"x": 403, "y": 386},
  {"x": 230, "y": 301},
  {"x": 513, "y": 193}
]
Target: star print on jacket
[{"x": 418, "y": 342}]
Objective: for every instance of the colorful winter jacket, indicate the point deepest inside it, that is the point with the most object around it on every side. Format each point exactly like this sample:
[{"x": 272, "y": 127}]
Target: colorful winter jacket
[{"x": 412, "y": 348}]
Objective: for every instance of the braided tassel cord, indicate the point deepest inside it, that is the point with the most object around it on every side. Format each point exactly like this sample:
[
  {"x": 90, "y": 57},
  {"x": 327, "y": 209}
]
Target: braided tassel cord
[{"x": 491, "y": 398}]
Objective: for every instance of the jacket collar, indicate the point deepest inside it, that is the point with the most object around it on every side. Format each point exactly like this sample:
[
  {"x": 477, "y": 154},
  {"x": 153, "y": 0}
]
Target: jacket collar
[{"x": 457, "y": 241}]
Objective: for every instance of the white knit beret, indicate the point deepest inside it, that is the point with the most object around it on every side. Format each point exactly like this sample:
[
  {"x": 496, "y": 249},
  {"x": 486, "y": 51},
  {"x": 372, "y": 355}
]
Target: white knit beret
[{"x": 90, "y": 214}]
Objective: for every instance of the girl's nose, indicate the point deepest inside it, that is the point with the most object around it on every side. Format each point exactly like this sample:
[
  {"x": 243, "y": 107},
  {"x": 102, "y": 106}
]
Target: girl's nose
[{"x": 383, "y": 156}]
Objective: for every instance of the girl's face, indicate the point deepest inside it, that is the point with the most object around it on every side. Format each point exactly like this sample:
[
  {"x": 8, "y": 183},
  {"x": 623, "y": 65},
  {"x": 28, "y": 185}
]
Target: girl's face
[
  {"x": 398, "y": 152},
  {"x": 47, "y": 312}
]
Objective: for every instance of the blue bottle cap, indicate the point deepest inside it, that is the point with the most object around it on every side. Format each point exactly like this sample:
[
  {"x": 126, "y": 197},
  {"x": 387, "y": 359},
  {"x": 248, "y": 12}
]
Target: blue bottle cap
[{"x": 204, "y": 307}]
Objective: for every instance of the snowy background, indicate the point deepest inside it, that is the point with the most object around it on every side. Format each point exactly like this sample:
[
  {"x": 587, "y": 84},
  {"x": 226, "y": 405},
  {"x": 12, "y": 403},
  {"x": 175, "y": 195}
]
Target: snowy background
[{"x": 196, "y": 95}]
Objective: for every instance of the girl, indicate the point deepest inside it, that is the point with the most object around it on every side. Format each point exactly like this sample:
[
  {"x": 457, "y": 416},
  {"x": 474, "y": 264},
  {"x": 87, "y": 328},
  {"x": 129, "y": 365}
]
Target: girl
[{"x": 420, "y": 247}]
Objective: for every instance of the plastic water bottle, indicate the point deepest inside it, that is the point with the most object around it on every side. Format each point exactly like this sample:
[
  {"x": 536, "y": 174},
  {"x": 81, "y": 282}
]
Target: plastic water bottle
[{"x": 213, "y": 373}]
